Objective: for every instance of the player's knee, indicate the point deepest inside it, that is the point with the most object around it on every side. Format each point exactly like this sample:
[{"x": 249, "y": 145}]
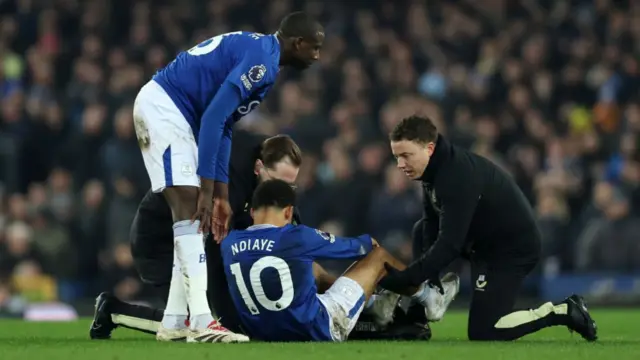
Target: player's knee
[
  {"x": 374, "y": 259},
  {"x": 182, "y": 201},
  {"x": 378, "y": 254}
]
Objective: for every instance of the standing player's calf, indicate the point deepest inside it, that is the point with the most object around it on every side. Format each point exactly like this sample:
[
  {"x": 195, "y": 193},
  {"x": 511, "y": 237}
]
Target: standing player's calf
[{"x": 189, "y": 260}]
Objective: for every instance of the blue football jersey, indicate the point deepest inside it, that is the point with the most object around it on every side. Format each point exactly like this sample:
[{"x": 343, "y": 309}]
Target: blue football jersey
[
  {"x": 216, "y": 83},
  {"x": 270, "y": 275},
  {"x": 250, "y": 61}
]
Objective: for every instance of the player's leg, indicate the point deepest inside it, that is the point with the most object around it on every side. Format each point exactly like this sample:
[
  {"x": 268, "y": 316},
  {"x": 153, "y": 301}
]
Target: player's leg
[
  {"x": 170, "y": 153},
  {"x": 377, "y": 304},
  {"x": 190, "y": 274},
  {"x": 110, "y": 313},
  {"x": 491, "y": 317},
  {"x": 347, "y": 297},
  {"x": 380, "y": 307},
  {"x": 373, "y": 324},
  {"x": 165, "y": 148},
  {"x": 152, "y": 249},
  {"x": 435, "y": 294},
  {"x": 434, "y": 301},
  {"x": 155, "y": 260}
]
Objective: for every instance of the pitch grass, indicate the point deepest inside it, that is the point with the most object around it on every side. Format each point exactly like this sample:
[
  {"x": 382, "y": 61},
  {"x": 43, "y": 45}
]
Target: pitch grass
[{"x": 619, "y": 332}]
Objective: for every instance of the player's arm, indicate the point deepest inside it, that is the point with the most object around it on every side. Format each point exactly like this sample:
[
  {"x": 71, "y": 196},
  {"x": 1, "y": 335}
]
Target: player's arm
[
  {"x": 247, "y": 76},
  {"x": 317, "y": 244},
  {"x": 458, "y": 205},
  {"x": 221, "y": 184},
  {"x": 430, "y": 226},
  {"x": 324, "y": 280}
]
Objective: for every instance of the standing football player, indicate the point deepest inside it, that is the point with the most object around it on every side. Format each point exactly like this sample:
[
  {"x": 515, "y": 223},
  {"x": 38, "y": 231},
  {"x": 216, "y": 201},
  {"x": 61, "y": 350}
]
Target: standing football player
[
  {"x": 474, "y": 209},
  {"x": 183, "y": 119}
]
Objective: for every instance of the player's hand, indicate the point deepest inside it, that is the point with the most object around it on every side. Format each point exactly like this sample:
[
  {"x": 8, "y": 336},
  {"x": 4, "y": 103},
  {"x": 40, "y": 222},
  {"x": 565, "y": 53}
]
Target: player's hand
[
  {"x": 374, "y": 243},
  {"x": 221, "y": 217},
  {"x": 204, "y": 209}
]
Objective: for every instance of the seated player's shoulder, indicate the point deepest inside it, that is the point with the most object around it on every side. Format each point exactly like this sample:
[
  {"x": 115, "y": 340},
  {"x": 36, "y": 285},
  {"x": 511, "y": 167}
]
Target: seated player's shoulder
[
  {"x": 305, "y": 236},
  {"x": 295, "y": 231}
]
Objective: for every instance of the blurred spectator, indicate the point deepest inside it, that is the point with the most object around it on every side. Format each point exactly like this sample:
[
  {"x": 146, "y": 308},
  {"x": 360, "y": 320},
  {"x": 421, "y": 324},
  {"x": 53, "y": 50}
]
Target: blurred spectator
[
  {"x": 11, "y": 304},
  {"x": 395, "y": 207},
  {"x": 122, "y": 276},
  {"x": 609, "y": 240}
]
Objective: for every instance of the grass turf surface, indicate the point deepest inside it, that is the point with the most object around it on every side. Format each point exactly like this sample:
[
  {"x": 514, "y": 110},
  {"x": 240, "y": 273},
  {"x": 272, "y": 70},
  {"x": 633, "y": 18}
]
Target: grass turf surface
[{"x": 619, "y": 338}]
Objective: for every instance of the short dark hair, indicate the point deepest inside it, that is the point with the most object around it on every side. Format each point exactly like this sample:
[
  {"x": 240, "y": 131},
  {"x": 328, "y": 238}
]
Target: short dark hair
[
  {"x": 279, "y": 147},
  {"x": 273, "y": 193},
  {"x": 415, "y": 128},
  {"x": 299, "y": 24}
]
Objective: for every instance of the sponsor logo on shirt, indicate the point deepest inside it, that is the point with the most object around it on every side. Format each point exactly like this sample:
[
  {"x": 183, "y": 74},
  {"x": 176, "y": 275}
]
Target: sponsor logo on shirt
[
  {"x": 245, "y": 82},
  {"x": 245, "y": 109}
]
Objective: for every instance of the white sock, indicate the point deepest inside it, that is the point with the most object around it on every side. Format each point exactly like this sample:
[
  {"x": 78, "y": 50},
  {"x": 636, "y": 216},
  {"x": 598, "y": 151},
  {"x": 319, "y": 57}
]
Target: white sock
[
  {"x": 177, "y": 309},
  {"x": 190, "y": 247}
]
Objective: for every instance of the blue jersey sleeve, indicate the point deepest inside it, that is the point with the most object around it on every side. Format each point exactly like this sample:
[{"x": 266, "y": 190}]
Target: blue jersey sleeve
[
  {"x": 224, "y": 154},
  {"x": 213, "y": 124},
  {"x": 247, "y": 76},
  {"x": 318, "y": 244}
]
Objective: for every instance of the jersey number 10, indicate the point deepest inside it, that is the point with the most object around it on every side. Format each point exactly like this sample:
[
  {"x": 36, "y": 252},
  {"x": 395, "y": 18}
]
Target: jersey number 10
[{"x": 284, "y": 273}]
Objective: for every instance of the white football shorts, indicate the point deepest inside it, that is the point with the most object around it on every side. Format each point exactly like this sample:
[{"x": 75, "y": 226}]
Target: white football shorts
[
  {"x": 344, "y": 302},
  {"x": 168, "y": 146}
]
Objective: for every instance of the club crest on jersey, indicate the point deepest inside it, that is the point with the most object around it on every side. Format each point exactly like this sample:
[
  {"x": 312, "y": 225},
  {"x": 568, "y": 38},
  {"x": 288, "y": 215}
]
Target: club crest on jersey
[
  {"x": 325, "y": 235},
  {"x": 481, "y": 283},
  {"x": 257, "y": 73}
]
